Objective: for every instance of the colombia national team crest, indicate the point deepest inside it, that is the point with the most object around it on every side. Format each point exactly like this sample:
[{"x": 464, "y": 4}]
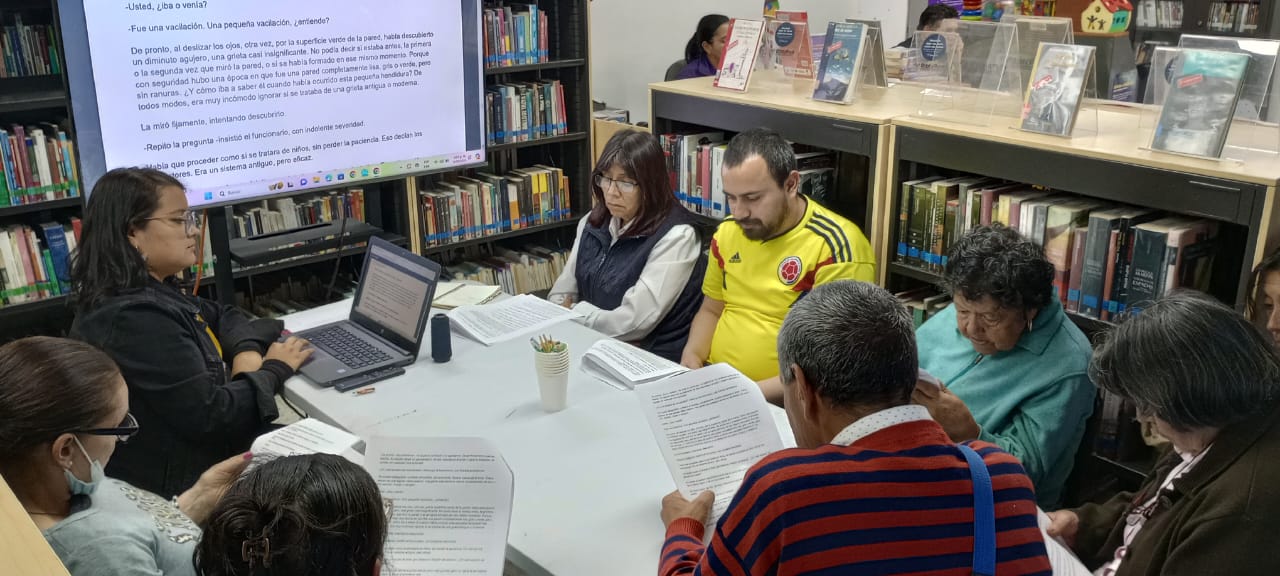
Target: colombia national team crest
[{"x": 789, "y": 270}]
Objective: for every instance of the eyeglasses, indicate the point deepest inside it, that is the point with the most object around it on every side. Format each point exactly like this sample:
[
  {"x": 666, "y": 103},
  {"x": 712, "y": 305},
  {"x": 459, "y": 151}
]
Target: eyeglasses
[
  {"x": 190, "y": 220},
  {"x": 604, "y": 182},
  {"x": 126, "y": 430}
]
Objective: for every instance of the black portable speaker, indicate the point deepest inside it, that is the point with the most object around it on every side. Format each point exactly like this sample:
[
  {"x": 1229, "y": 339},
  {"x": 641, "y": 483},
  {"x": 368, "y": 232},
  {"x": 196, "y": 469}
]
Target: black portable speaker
[{"x": 441, "y": 345}]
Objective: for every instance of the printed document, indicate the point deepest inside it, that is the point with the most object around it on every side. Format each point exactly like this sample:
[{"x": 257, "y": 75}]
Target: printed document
[
  {"x": 449, "y": 501},
  {"x": 711, "y": 424},
  {"x": 624, "y": 366},
  {"x": 511, "y": 318}
]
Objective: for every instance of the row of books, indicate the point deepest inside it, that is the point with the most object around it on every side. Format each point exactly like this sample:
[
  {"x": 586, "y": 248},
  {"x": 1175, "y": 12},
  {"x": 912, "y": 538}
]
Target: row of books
[
  {"x": 695, "y": 163},
  {"x": 533, "y": 269},
  {"x": 38, "y": 164},
  {"x": 1233, "y": 17},
  {"x": 523, "y": 111},
  {"x": 1108, "y": 259},
  {"x": 28, "y": 50},
  {"x": 1160, "y": 14},
  {"x": 35, "y": 263},
  {"x": 514, "y": 35},
  {"x": 485, "y": 204},
  {"x": 281, "y": 214}
]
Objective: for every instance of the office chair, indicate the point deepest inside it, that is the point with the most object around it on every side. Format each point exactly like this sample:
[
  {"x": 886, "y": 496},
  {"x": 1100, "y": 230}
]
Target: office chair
[{"x": 674, "y": 70}]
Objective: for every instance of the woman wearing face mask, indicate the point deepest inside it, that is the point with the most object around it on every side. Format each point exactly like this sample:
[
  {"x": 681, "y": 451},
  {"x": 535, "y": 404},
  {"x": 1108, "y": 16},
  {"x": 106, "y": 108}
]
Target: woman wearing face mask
[
  {"x": 635, "y": 272},
  {"x": 1014, "y": 367},
  {"x": 202, "y": 377},
  {"x": 63, "y": 408}
]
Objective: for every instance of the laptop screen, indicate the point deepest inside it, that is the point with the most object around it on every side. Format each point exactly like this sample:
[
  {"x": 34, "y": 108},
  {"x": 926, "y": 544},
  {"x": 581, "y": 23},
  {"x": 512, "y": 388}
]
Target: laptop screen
[{"x": 395, "y": 291}]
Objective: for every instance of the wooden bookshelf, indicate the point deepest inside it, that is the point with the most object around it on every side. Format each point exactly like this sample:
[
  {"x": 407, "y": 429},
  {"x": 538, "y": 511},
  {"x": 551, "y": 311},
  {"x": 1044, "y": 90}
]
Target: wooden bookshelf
[{"x": 26, "y": 100}]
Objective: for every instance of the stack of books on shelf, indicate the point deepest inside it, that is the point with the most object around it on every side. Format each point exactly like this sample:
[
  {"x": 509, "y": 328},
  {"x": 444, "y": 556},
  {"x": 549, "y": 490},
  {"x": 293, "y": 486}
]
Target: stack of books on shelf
[
  {"x": 485, "y": 204},
  {"x": 1233, "y": 17},
  {"x": 281, "y": 214},
  {"x": 35, "y": 263},
  {"x": 515, "y": 35},
  {"x": 1108, "y": 259},
  {"x": 1160, "y": 14},
  {"x": 524, "y": 111},
  {"x": 38, "y": 164},
  {"x": 895, "y": 61},
  {"x": 533, "y": 269},
  {"x": 923, "y": 302},
  {"x": 695, "y": 161},
  {"x": 28, "y": 50}
]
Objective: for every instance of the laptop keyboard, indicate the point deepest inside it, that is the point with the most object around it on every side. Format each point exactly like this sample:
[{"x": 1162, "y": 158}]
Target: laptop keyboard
[{"x": 348, "y": 348}]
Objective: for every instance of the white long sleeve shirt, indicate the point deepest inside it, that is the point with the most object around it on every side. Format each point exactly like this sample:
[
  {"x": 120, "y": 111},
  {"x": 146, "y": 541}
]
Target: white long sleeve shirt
[{"x": 664, "y": 276}]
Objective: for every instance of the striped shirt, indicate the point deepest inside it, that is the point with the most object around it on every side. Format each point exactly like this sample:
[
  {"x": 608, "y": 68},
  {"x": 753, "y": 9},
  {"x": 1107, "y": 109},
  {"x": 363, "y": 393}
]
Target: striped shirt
[{"x": 898, "y": 500}]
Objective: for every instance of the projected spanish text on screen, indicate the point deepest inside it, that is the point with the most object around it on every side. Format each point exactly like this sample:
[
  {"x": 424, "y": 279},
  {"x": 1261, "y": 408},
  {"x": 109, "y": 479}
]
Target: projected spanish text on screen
[{"x": 241, "y": 97}]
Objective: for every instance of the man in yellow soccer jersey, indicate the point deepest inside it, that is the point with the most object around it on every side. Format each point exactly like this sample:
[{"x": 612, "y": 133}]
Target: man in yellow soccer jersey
[{"x": 776, "y": 246}]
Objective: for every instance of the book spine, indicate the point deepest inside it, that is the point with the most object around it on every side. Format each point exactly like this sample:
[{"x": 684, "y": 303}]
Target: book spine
[
  {"x": 1091, "y": 279},
  {"x": 1078, "y": 243},
  {"x": 1147, "y": 269}
]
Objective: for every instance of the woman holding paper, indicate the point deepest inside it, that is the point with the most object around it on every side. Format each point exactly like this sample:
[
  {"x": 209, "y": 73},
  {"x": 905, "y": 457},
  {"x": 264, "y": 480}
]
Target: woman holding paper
[
  {"x": 202, "y": 377},
  {"x": 1014, "y": 366},
  {"x": 63, "y": 408},
  {"x": 1209, "y": 380},
  {"x": 635, "y": 272}
]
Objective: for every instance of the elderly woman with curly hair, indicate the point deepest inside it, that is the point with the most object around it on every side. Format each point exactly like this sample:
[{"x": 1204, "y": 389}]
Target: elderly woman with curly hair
[
  {"x": 1209, "y": 381},
  {"x": 1014, "y": 368}
]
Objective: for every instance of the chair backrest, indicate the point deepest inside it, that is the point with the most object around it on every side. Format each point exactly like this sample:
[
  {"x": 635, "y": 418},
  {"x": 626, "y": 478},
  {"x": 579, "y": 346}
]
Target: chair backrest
[
  {"x": 22, "y": 548},
  {"x": 674, "y": 70}
]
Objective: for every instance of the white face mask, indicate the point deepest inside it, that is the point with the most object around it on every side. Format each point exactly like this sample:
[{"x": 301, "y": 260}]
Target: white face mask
[{"x": 80, "y": 487}]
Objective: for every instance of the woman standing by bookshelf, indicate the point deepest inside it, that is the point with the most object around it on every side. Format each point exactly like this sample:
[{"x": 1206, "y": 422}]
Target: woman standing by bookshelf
[
  {"x": 635, "y": 272},
  {"x": 202, "y": 377},
  {"x": 702, "y": 54}
]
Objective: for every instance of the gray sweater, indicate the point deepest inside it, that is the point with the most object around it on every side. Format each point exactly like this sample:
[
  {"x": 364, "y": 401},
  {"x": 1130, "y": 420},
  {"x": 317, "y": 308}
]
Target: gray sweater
[{"x": 124, "y": 531}]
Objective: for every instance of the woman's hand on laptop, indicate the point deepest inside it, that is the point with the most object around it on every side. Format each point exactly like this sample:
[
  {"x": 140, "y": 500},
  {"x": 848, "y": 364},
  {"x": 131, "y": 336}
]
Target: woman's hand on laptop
[{"x": 294, "y": 351}]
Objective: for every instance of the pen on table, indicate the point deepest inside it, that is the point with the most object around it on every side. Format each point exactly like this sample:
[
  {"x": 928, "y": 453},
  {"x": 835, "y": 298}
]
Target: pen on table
[{"x": 363, "y": 391}]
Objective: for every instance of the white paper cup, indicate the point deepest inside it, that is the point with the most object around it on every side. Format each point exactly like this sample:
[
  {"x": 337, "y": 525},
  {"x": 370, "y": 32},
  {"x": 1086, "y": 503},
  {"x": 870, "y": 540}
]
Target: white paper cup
[{"x": 552, "y": 369}]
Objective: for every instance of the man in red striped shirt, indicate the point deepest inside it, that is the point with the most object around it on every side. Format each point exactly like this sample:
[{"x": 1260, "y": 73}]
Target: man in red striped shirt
[{"x": 876, "y": 486}]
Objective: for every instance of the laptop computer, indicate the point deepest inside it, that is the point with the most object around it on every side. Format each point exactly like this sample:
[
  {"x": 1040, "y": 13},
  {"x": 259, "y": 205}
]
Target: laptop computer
[{"x": 387, "y": 322}]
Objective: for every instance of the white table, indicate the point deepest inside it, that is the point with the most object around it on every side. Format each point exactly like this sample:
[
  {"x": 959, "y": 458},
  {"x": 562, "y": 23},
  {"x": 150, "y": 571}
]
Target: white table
[{"x": 588, "y": 480}]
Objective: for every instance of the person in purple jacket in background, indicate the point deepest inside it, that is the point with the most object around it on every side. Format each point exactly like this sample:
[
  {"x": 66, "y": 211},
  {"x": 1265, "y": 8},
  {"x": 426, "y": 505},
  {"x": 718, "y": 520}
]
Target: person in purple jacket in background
[{"x": 702, "y": 54}]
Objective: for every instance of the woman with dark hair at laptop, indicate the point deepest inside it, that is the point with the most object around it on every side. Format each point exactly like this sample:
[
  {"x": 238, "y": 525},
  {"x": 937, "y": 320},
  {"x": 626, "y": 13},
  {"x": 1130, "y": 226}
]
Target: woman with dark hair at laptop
[{"x": 202, "y": 377}]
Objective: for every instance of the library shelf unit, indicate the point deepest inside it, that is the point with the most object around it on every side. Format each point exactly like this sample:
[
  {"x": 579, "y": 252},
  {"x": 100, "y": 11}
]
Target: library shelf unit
[
  {"x": 858, "y": 132},
  {"x": 25, "y": 100},
  {"x": 1111, "y": 166}
]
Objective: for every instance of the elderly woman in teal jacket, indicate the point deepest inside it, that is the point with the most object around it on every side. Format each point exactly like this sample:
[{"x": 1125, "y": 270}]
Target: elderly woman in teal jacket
[{"x": 1012, "y": 365}]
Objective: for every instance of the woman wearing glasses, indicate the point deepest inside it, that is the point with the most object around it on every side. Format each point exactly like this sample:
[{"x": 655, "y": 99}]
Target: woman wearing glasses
[
  {"x": 1209, "y": 380},
  {"x": 63, "y": 409},
  {"x": 636, "y": 269},
  {"x": 1014, "y": 366},
  {"x": 202, "y": 377}
]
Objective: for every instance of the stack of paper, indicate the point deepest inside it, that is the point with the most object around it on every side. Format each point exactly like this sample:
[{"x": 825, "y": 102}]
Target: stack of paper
[
  {"x": 508, "y": 319},
  {"x": 450, "y": 295},
  {"x": 624, "y": 366}
]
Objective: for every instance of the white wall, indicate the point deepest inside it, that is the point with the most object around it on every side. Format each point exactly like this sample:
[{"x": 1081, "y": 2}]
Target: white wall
[{"x": 634, "y": 41}]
